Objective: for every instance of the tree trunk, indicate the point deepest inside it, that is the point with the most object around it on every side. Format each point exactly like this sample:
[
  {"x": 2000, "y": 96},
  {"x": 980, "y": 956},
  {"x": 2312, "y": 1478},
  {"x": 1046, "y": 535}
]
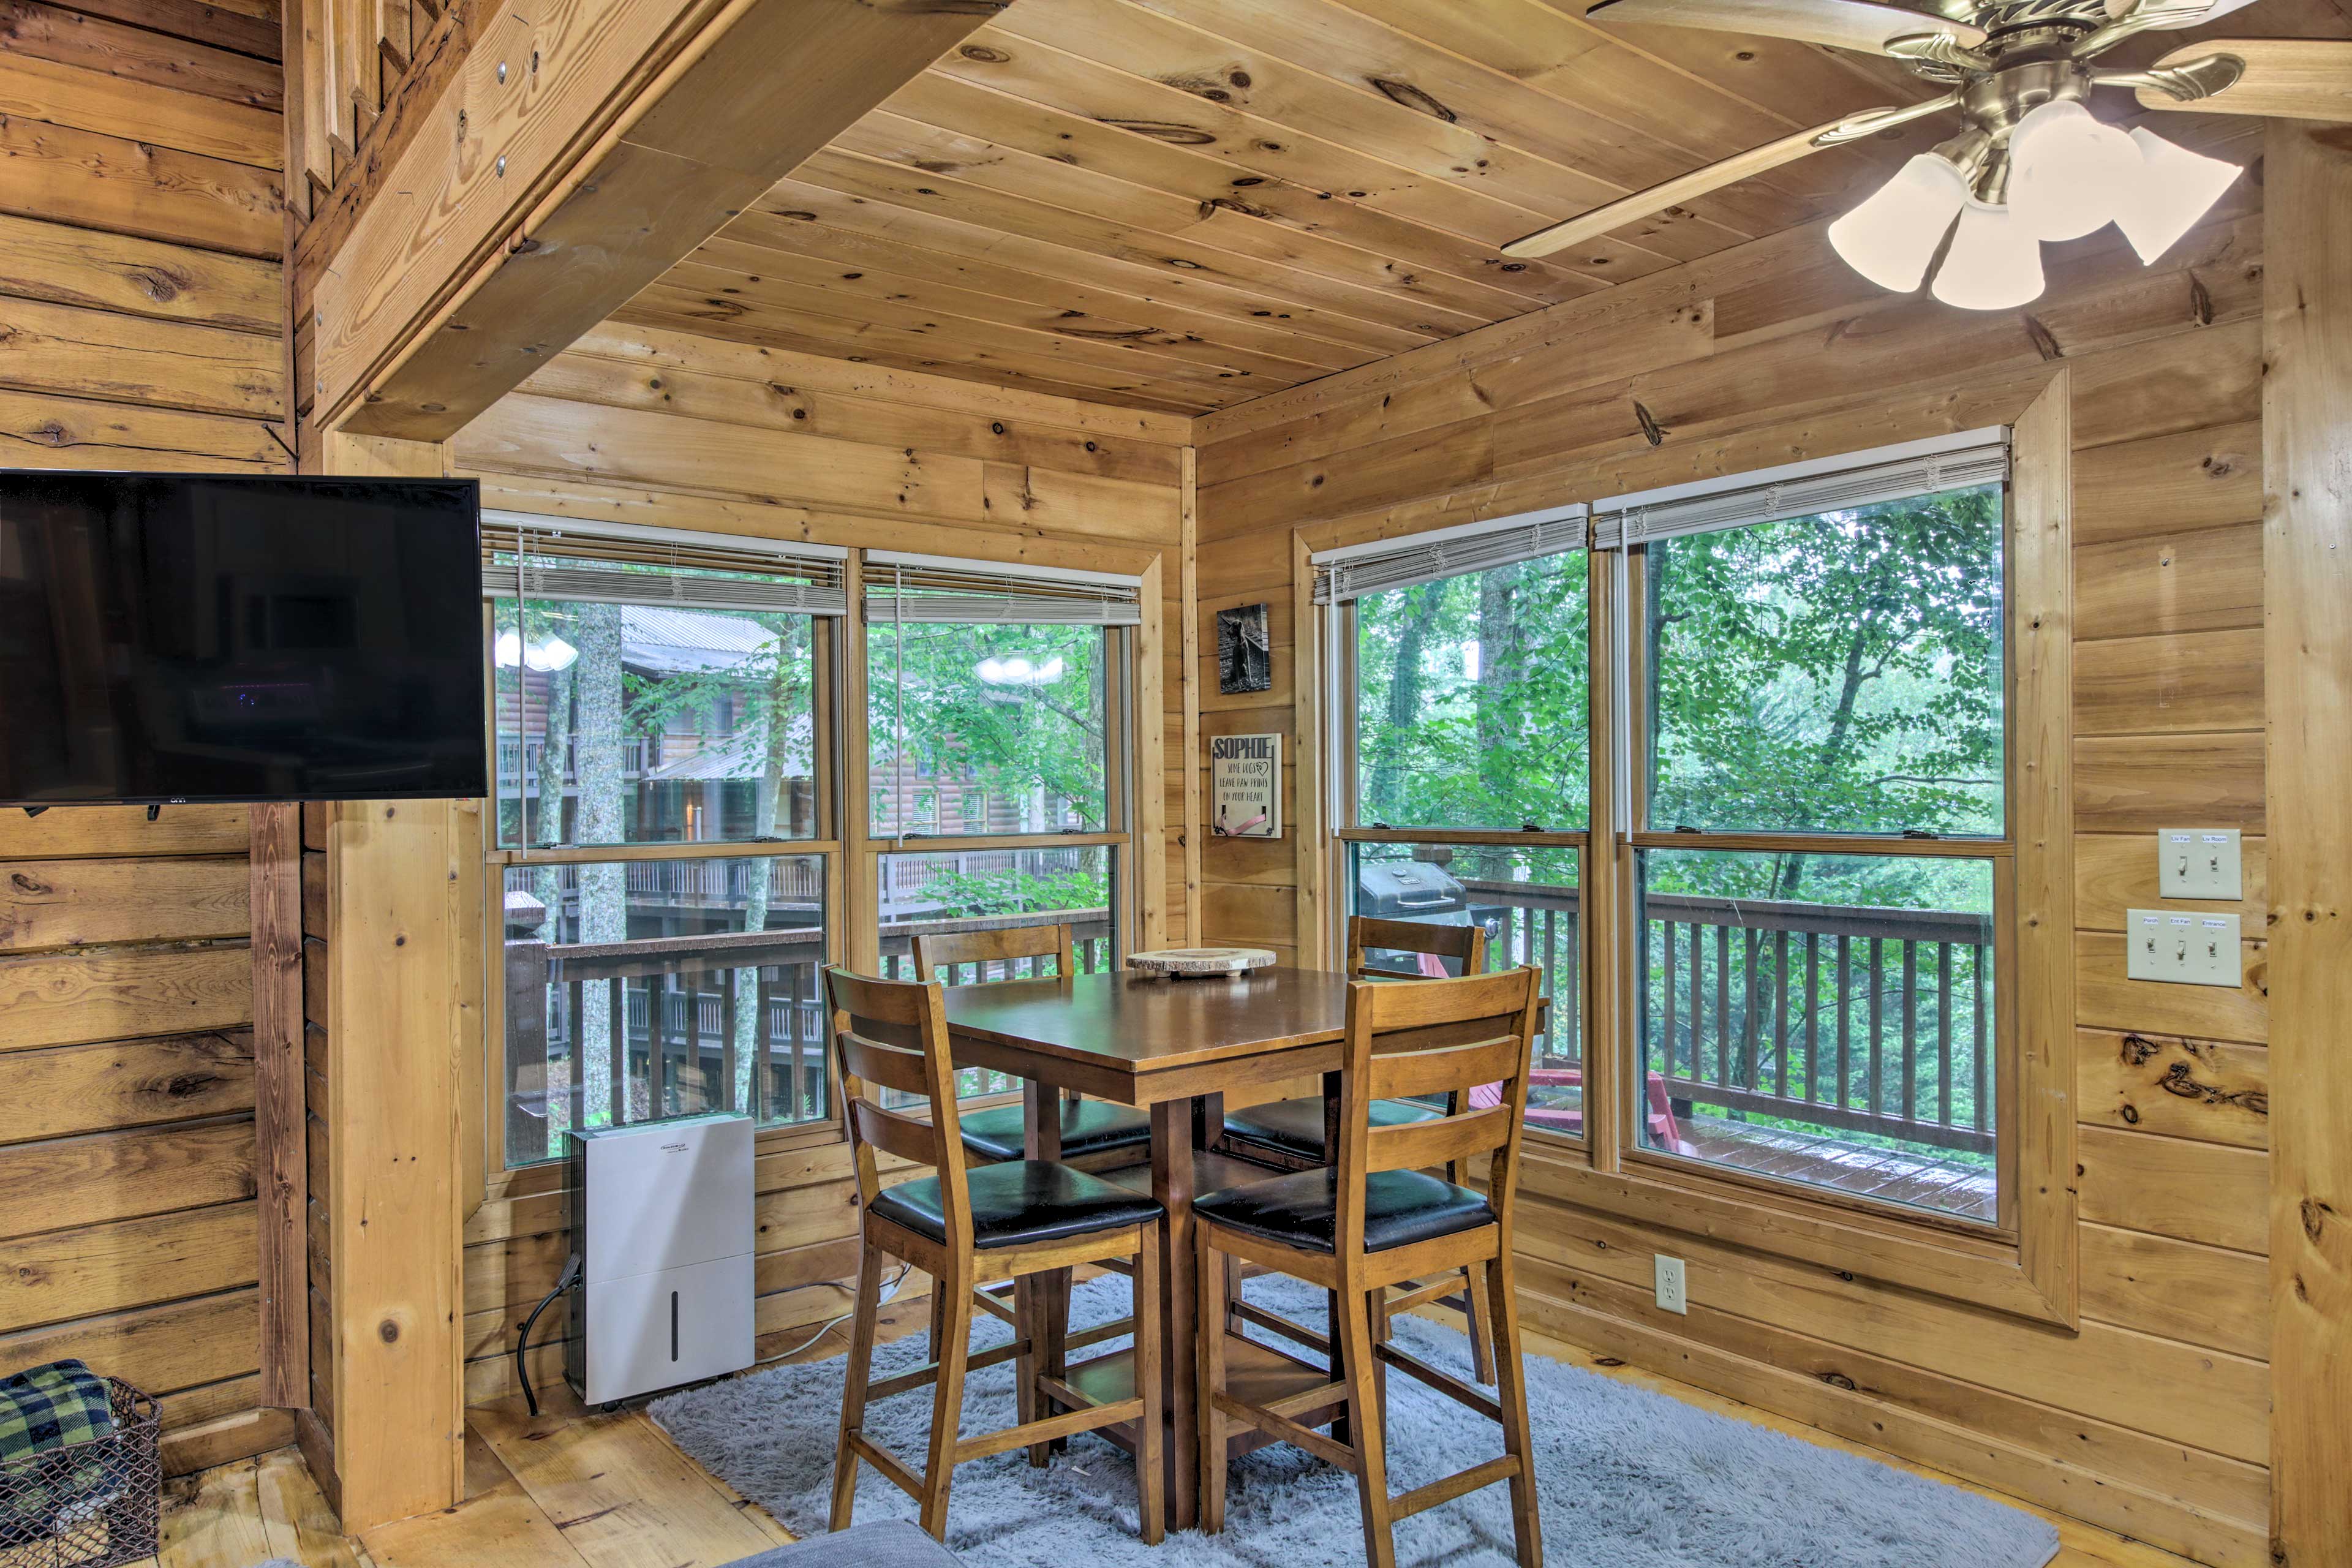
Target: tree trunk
[
  {"x": 603, "y": 888},
  {"x": 1384, "y": 769}
]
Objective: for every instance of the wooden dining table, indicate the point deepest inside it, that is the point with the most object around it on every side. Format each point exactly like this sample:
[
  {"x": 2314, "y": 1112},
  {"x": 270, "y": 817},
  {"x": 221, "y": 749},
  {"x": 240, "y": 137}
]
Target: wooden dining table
[{"x": 1175, "y": 1047}]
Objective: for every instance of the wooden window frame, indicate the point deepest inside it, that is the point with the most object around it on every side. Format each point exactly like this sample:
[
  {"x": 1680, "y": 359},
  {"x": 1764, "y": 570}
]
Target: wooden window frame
[{"x": 2025, "y": 1266}]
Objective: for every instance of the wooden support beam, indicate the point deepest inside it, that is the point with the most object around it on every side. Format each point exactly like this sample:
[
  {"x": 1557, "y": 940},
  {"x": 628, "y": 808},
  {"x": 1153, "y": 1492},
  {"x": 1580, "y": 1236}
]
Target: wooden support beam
[
  {"x": 574, "y": 155},
  {"x": 2307, "y": 583},
  {"x": 281, "y": 1169},
  {"x": 402, "y": 976}
]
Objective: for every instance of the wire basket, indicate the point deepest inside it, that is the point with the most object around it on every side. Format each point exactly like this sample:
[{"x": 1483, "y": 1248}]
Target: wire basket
[{"x": 91, "y": 1504}]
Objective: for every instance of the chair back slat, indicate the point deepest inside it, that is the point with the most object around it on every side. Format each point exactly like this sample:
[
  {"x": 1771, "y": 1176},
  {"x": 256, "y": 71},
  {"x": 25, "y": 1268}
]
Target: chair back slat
[
  {"x": 897, "y": 1132},
  {"x": 1464, "y": 945},
  {"x": 1439, "y": 1068},
  {"x": 1426, "y": 1145},
  {"x": 949, "y": 949},
  {"x": 1431, "y": 1037},
  {"x": 893, "y": 1034}
]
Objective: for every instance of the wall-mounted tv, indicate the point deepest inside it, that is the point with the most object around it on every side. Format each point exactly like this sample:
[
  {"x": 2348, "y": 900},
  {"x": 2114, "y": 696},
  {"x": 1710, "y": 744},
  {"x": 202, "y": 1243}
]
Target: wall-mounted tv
[{"x": 168, "y": 637}]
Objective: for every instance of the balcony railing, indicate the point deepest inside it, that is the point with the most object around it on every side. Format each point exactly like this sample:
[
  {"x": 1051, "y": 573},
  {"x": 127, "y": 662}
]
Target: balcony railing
[
  {"x": 664, "y": 1010},
  {"x": 1854, "y": 1019}
]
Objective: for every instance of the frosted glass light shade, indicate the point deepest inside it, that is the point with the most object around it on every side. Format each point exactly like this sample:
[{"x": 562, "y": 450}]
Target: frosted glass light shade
[
  {"x": 1891, "y": 236},
  {"x": 2067, "y": 172},
  {"x": 1992, "y": 265},
  {"x": 2175, "y": 189}
]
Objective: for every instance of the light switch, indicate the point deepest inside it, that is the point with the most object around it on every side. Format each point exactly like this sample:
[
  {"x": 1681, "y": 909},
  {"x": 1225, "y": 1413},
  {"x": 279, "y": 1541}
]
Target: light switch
[
  {"x": 2183, "y": 949},
  {"x": 2199, "y": 863}
]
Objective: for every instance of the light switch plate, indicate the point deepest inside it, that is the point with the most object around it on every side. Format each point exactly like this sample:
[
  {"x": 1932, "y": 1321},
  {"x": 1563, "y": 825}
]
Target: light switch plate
[
  {"x": 2199, "y": 863},
  {"x": 2183, "y": 948}
]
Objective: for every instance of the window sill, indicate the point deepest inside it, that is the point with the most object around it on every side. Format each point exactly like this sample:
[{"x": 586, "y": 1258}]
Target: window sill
[{"x": 1951, "y": 1258}]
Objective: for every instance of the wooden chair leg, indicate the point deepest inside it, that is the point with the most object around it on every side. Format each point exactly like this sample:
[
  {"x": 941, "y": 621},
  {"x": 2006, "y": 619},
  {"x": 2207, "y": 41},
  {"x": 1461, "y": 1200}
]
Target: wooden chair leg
[
  {"x": 864, "y": 1316},
  {"x": 1029, "y": 1326},
  {"x": 947, "y": 1411},
  {"x": 1376, "y": 1309},
  {"x": 1210, "y": 1374},
  {"x": 1511, "y": 1387},
  {"x": 1366, "y": 1424},
  {"x": 1151, "y": 1437},
  {"x": 1482, "y": 1335},
  {"x": 1229, "y": 1271},
  {"x": 938, "y": 1317}
]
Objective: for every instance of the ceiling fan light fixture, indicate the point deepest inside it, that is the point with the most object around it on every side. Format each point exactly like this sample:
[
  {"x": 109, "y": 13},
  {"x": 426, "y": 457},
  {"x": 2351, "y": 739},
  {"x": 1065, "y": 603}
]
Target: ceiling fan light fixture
[
  {"x": 2068, "y": 172},
  {"x": 1992, "y": 264},
  {"x": 2176, "y": 187},
  {"x": 1891, "y": 237}
]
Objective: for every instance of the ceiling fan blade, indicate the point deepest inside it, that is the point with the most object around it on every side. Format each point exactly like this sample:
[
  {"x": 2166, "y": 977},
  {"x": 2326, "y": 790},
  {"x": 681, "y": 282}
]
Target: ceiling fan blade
[
  {"x": 1725, "y": 172},
  {"x": 1860, "y": 24},
  {"x": 1671, "y": 193},
  {"x": 2213, "y": 12},
  {"x": 2286, "y": 79}
]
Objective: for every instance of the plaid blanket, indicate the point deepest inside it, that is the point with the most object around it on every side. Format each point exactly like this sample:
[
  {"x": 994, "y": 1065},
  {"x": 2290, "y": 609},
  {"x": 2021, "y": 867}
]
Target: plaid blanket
[{"x": 44, "y": 1409}]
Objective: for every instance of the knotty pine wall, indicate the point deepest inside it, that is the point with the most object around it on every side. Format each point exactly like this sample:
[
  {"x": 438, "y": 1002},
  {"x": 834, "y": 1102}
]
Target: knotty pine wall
[
  {"x": 2151, "y": 1418},
  {"x": 669, "y": 428},
  {"x": 140, "y": 328}
]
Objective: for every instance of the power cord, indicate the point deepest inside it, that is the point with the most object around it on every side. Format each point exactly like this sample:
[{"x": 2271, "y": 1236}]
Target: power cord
[{"x": 570, "y": 1280}]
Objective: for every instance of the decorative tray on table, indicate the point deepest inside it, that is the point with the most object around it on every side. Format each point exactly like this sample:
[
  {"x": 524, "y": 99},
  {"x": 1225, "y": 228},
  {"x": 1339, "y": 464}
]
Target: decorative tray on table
[{"x": 1201, "y": 962}]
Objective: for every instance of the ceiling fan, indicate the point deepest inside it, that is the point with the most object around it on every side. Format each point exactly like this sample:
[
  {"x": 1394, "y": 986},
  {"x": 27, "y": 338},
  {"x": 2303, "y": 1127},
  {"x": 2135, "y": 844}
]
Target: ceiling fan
[{"x": 2030, "y": 163}]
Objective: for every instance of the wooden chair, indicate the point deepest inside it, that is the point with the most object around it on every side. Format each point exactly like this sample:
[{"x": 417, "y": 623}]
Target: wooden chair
[
  {"x": 1289, "y": 1132},
  {"x": 966, "y": 1226},
  {"x": 1096, "y": 1134},
  {"x": 1378, "y": 1218}
]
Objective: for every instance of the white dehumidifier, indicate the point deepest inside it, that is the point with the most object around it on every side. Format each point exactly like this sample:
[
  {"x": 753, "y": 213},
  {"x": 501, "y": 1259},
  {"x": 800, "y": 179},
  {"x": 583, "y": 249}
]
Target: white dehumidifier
[{"x": 661, "y": 1236}]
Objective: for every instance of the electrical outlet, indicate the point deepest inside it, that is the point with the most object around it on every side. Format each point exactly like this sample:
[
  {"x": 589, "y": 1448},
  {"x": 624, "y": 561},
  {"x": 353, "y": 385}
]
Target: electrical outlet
[
  {"x": 1671, "y": 1296},
  {"x": 2183, "y": 949},
  {"x": 2199, "y": 863}
]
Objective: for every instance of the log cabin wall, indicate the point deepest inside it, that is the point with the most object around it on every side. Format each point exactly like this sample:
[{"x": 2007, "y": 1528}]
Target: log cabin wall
[
  {"x": 140, "y": 324},
  {"x": 648, "y": 425},
  {"x": 2150, "y": 1417}
]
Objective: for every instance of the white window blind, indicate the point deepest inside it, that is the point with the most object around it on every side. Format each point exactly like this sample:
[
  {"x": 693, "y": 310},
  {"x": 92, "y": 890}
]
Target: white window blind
[
  {"x": 1959, "y": 461},
  {"x": 619, "y": 563},
  {"x": 902, "y": 587},
  {"x": 1355, "y": 570}
]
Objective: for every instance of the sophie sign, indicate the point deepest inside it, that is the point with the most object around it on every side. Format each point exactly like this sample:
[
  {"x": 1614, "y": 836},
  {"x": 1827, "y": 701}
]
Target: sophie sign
[{"x": 1246, "y": 786}]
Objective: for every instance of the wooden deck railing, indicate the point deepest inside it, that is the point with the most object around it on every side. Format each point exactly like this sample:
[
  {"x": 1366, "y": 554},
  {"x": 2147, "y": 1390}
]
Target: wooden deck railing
[
  {"x": 1842, "y": 1018},
  {"x": 668, "y": 1006}
]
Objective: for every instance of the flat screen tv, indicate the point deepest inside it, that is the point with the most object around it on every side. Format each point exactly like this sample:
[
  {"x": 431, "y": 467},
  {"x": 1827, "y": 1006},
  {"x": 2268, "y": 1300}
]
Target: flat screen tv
[{"x": 168, "y": 637}]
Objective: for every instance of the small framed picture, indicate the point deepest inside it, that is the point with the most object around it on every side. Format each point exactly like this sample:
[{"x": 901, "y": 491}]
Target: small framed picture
[
  {"x": 1244, "y": 651},
  {"x": 1246, "y": 786}
]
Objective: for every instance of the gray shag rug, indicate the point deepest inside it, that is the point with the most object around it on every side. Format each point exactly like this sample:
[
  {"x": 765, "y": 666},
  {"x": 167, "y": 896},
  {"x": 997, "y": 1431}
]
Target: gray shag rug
[{"x": 1626, "y": 1478}]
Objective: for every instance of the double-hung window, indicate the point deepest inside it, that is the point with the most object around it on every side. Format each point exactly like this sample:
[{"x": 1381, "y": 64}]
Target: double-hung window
[
  {"x": 1817, "y": 852},
  {"x": 997, "y": 740},
  {"x": 661, "y": 854},
  {"x": 1460, "y": 766}
]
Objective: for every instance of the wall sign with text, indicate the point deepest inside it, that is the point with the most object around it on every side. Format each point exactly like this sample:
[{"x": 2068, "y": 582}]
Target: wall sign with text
[{"x": 1246, "y": 786}]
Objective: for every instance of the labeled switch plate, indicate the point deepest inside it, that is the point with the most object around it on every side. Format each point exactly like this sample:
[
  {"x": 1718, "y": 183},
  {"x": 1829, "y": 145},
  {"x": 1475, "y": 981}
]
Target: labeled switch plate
[
  {"x": 1672, "y": 1293},
  {"x": 2199, "y": 863},
  {"x": 2183, "y": 948}
]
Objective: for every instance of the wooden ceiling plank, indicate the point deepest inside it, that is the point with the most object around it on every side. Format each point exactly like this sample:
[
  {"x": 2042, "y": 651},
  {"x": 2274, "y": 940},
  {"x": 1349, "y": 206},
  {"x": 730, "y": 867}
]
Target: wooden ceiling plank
[
  {"x": 1045, "y": 132},
  {"x": 809, "y": 293},
  {"x": 1571, "y": 160},
  {"x": 1360, "y": 54},
  {"x": 1347, "y": 339},
  {"x": 1062, "y": 321},
  {"x": 756, "y": 232},
  {"x": 1477, "y": 206},
  {"x": 879, "y": 180},
  {"x": 1447, "y": 304},
  {"x": 755, "y": 321},
  {"x": 614, "y": 136},
  {"x": 654, "y": 349}
]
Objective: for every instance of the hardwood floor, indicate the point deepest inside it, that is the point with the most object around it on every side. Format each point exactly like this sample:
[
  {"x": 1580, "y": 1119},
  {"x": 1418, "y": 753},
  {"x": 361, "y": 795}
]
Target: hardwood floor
[{"x": 574, "y": 1489}]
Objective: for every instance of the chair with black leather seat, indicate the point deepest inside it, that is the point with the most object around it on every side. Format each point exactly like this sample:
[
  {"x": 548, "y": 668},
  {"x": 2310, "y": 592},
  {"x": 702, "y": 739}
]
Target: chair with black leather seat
[
  {"x": 1377, "y": 1217},
  {"x": 1289, "y": 1132},
  {"x": 965, "y": 1227},
  {"x": 1096, "y": 1134}
]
